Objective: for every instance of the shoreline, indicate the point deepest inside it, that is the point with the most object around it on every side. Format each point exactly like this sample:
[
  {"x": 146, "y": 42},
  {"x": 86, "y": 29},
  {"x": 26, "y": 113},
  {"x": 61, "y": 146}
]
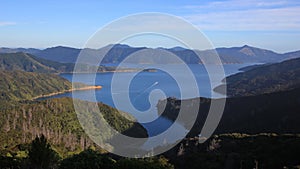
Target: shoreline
[
  {"x": 113, "y": 71},
  {"x": 67, "y": 91}
]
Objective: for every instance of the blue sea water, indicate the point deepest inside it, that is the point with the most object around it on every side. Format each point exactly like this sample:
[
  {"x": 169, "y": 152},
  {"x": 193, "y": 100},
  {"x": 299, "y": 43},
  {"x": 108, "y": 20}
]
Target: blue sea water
[{"x": 146, "y": 85}]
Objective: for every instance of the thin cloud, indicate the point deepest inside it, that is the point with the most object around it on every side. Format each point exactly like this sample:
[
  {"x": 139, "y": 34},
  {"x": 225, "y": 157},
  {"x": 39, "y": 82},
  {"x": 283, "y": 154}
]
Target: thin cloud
[
  {"x": 239, "y": 5},
  {"x": 7, "y": 23},
  {"x": 155, "y": 22},
  {"x": 248, "y": 15}
]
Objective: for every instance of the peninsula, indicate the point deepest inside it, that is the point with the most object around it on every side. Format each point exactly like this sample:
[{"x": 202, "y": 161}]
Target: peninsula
[{"x": 67, "y": 91}]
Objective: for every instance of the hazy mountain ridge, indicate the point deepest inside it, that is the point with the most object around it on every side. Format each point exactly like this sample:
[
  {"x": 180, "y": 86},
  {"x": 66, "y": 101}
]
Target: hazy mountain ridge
[
  {"x": 59, "y": 54},
  {"x": 117, "y": 53},
  {"x": 16, "y": 50},
  {"x": 248, "y": 54}
]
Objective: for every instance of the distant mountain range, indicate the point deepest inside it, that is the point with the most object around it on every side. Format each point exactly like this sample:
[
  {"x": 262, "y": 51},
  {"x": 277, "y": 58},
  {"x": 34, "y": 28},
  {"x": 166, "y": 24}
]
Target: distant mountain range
[
  {"x": 29, "y": 63},
  {"x": 118, "y": 52}
]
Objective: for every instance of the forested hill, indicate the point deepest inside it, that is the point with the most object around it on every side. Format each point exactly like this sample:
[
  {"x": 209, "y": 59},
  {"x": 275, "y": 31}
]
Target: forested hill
[
  {"x": 19, "y": 85},
  {"x": 21, "y": 119},
  {"x": 264, "y": 79},
  {"x": 274, "y": 112},
  {"x": 29, "y": 63},
  {"x": 21, "y": 122},
  {"x": 238, "y": 151}
]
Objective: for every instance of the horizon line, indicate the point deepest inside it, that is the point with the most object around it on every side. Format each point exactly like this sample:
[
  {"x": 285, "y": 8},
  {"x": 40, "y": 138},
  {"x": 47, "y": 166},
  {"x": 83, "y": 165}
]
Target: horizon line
[{"x": 133, "y": 46}]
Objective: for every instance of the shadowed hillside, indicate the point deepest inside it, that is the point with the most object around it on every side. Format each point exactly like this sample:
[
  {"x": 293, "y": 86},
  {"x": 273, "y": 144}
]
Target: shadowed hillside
[
  {"x": 238, "y": 151},
  {"x": 264, "y": 79},
  {"x": 274, "y": 112}
]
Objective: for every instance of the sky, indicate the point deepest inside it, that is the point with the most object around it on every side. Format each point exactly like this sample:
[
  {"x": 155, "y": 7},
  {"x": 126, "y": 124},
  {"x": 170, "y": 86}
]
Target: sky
[{"x": 273, "y": 25}]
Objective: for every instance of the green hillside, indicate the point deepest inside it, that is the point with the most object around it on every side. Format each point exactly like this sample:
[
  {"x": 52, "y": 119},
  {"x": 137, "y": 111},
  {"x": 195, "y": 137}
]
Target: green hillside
[
  {"x": 19, "y": 85},
  {"x": 273, "y": 112},
  {"x": 20, "y": 123},
  {"x": 264, "y": 79},
  {"x": 238, "y": 151},
  {"x": 29, "y": 63},
  {"x": 21, "y": 120}
]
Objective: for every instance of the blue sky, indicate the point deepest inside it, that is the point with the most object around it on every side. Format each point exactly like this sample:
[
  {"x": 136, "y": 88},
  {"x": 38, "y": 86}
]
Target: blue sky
[{"x": 267, "y": 24}]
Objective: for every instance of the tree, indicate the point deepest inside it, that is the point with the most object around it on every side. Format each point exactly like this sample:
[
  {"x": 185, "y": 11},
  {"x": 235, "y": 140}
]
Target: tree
[
  {"x": 147, "y": 163},
  {"x": 88, "y": 159},
  {"x": 41, "y": 155}
]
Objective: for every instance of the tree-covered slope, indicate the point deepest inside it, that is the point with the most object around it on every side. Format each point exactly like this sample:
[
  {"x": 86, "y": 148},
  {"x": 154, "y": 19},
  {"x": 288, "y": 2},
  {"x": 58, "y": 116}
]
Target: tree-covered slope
[
  {"x": 21, "y": 120},
  {"x": 56, "y": 119},
  {"x": 264, "y": 79},
  {"x": 29, "y": 63},
  {"x": 19, "y": 85},
  {"x": 273, "y": 112},
  {"x": 238, "y": 151}
]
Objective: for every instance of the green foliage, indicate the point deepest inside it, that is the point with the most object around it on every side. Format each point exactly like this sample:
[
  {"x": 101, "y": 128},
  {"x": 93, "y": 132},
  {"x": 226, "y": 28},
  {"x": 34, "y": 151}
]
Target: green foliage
[
  {"x": 239, "y": 151},
  {"x": 267, "y": 113},
  {"x": 10, "y": 163},
  {"x": 22, "y": 154},
  {"x": 21, "y": 120},
  {"x": 40, "y": 155},
  {"x": 18, "y": 85},
  {"x": 148, "y": 163},
  {"x": 29, "y": 63},
  {"x": 57, "y": 120},
  {"x": 88, "y": 159},
  {"x": 264, "y": 79}
]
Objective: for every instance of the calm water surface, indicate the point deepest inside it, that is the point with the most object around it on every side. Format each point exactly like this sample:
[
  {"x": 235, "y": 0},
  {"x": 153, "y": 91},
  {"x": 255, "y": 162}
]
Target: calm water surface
[{"x": 140, "y": 89}]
